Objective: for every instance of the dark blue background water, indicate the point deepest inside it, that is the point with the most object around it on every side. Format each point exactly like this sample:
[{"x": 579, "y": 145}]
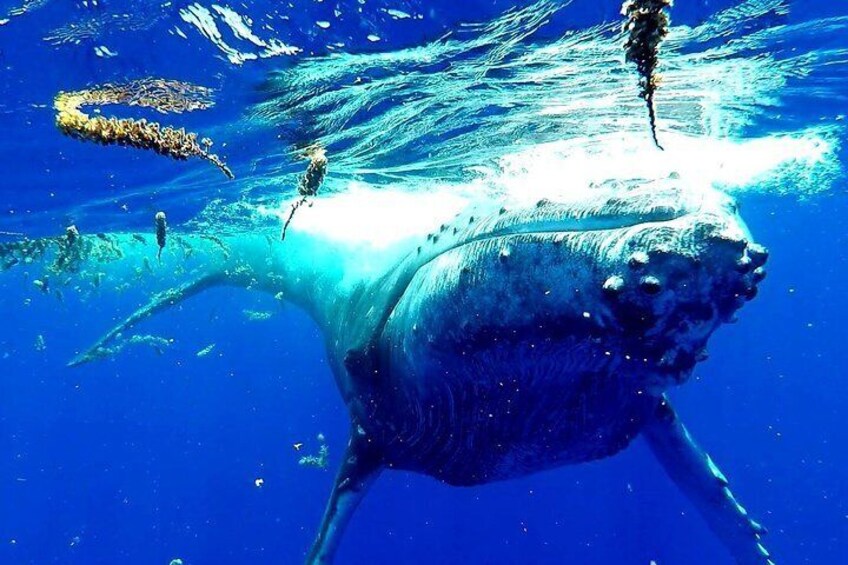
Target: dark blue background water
[{"x": 147, "y": 458}]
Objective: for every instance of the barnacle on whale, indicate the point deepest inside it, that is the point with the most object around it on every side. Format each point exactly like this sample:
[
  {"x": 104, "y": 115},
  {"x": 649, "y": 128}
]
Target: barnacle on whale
[
  {"x": 165, "y": 96},
  {"x": 311, "y": 180},
  {"x": 647, "y": 25}
]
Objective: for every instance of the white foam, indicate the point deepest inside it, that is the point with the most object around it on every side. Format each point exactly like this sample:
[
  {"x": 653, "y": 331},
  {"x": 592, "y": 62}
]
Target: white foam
[{"x": 205, "y": 21}]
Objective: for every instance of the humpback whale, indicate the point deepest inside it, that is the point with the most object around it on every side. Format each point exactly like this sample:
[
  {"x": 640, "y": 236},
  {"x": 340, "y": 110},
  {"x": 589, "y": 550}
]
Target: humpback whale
[{"x": 477, "y": 339}]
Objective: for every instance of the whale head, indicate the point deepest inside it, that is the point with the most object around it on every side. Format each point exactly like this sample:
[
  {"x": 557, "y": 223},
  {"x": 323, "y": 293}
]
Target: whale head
[{"x": 637, "y": 279}]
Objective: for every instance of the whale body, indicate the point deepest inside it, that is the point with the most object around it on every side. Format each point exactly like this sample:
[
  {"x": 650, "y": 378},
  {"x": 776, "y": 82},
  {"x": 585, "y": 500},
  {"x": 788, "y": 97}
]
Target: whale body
[{"x": 477, "y": 339}]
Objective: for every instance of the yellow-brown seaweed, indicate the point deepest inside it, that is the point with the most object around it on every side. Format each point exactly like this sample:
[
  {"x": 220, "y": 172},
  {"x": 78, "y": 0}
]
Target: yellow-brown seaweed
[
  {"x": 165, "y": 96},
  {"x": 647, "y": 25}
]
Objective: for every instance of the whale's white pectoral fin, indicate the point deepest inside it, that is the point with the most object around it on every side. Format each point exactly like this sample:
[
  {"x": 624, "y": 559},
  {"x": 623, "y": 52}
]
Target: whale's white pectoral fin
[
  {"x": 159, "y": 302},
  {"x": 706, "y": 487},
  {"x": 359, "y": 468}
]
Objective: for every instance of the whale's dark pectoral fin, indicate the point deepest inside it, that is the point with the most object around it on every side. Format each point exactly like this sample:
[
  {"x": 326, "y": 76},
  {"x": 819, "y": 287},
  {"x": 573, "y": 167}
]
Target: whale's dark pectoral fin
[
  {"x": 706, "y": 487},
  {"x": 360, "y": 467},
  {"x": 159, "y": 302}
]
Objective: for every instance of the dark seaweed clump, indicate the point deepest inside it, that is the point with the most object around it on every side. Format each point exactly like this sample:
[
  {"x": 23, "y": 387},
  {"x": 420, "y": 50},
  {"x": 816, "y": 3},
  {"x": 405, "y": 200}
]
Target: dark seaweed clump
[{"x": 647, "y": 25}]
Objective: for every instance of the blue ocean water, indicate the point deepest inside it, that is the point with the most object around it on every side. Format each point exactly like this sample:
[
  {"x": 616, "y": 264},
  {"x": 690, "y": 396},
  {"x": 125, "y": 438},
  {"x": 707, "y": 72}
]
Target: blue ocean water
[{"x": 149, "y": 457}]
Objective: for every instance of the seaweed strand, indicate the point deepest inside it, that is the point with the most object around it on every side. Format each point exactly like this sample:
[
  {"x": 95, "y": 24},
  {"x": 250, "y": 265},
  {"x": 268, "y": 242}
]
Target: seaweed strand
[
  {"x": 310, "y": 182},
  {"x": 162, "y": 95},
  {"x": 647, "y": 25}
]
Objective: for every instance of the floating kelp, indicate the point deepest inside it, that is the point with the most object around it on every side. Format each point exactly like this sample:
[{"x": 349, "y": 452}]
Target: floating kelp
[
  {"x": 321, "y": 460},
  {"x": 311, "y": 180},
  {"x": 67, "y": 251},
  {"x": 646, "y": 26},
  {"x": 165, "y": 96},
  {"x": 161, "y": 232}
]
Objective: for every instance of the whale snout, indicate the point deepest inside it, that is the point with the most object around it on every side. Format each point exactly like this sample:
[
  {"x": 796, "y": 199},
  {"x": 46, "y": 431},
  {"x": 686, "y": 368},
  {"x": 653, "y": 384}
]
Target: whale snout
[
  {"x": 671, "y": 288},
  {"x": 704, "y": 265}
]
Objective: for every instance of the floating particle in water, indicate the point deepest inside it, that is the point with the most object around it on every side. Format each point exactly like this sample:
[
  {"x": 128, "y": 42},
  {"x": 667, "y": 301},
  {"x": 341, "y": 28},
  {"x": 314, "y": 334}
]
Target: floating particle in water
[
  {"x": 397, "y": 14},
  {"x": 206, "y": 350},
  {"x": 164, "y": 96},
  {"x": 40, "y": 344},
  {"x": 256, "y": 315},
  {"x": 259, "y": 482},
  {"x": 297, "y": 446},
  {"x": 176, "y": 561}
]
